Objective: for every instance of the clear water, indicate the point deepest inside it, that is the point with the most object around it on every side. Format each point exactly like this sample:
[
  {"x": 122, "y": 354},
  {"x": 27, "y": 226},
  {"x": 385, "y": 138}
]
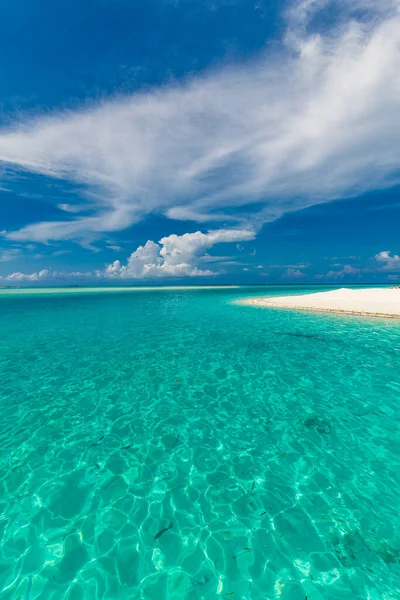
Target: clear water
[{"x": 268, "y": 438}]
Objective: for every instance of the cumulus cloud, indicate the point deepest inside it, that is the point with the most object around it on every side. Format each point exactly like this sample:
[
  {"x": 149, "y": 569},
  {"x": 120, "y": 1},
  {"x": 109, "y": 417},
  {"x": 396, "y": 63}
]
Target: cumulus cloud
[
  {"x": 391, "y": 262},
  {"x": 318, "y": 121},
  {"x": 173, "y": 256},
  {"x": 45, "y": 275}
]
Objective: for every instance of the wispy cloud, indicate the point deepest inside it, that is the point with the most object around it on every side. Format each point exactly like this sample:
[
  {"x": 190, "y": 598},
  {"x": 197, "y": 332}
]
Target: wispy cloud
[
  {"x": 346, "y": 270},
  {"x": 9, "y": 254},
  {"x": 61, "y": 252},
  {"x": 293, "y": 266},
  {"x": 314, "y": 123},
  {"x": 114, "y": 247},
  {"x": 173, "y": 256},
  {"x": 292, "y": 274}
]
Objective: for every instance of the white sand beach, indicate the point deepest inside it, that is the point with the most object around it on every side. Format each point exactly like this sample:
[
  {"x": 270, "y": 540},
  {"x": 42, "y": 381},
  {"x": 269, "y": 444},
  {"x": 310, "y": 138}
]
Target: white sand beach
[{"x": 375, "y": 302}]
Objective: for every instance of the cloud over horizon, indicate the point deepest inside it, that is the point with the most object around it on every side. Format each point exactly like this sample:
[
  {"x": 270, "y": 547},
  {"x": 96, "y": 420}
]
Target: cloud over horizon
[
  {"x": 390, "y": 262},
  {"x": 45, "y": 275},
  {"x": 316, "y": 122},
  {"x": 173, "y": 256}
]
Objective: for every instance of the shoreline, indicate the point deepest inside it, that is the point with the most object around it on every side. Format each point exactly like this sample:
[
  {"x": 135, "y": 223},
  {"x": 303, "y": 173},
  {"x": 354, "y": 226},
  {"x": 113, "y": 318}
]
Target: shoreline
[{"x": 368, "y": 302}]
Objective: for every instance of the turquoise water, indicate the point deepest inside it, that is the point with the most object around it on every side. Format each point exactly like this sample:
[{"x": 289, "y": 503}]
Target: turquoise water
[{"x": 268, "y": 438}]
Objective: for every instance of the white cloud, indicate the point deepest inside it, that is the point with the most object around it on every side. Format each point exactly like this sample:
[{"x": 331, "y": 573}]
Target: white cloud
[
  {"x": 173, "y": 256},
  {"x": 61, "y": 252},
  {"x": 301, "y": 13},
  {"x": 391, "y": 261},
  {"x": 295, "y": 266},
  {"x": 212, "y": 259},
  {"x": 292, "y": 274},
  {"x": 28, "y": 276},
  {"x": 312, "y": 124},
  {"x": 346, "y": 270},
  {"x": 45, "y": 275},
  {"x": 70, "y": 208},
  {"x": 9, "y": 254}
]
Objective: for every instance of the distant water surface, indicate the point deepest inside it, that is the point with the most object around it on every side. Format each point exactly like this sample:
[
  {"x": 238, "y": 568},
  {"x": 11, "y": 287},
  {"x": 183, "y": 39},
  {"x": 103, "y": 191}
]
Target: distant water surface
[{"x": 175, "y": 445}]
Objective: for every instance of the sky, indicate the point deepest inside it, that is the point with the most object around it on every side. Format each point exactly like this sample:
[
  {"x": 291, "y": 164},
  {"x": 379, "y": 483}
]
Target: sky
[{"x": 199, "y": 141}]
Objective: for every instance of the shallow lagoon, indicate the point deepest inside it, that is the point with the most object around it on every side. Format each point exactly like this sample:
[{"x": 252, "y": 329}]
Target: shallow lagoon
[{"x": 268, "y": 438}]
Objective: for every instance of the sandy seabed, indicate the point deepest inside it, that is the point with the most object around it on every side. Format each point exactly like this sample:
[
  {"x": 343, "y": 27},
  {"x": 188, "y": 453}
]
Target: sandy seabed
[{"x": 375, "y": 302}]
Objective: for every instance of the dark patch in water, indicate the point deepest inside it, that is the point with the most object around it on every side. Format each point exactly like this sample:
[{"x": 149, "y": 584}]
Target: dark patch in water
[
  {"x": 306, "y": 336},
  {"x": 321, "y": 425},
  {"x": 162, "y": 531},
  {"x": 202, "y": 581},
  {"x": 258, "y": 346},
  {"x": 353, "y": 550},
  {"x": 98, "y": 442},
  {"x": 175, "y": 443}
]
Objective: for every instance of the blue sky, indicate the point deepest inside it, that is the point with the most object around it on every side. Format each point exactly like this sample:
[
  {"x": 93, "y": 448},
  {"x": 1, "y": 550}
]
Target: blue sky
[{"x": 204, "y": 141}]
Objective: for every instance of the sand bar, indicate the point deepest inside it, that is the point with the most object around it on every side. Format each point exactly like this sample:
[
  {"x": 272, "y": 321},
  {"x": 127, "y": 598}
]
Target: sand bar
[{"x": 374, "y": 302}]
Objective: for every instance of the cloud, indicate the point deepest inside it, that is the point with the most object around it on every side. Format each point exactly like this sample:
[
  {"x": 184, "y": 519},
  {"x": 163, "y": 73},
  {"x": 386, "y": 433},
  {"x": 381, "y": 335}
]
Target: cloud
[
  {"x": 45, "y": 275},
  {"x": 300, "y": 14},
  {"x": 340, "y": 273},
  {"x": 9, "y": 254},
  {"x": 114, "y": 247},
  {"x": 28, "y": 276},
  {"x": 212, "y": 259},
  {"x": 295, "y": 266},
  {"x": 61, "y": 252},
  {"x": 71, "y": 208},
  {"x": 391, "y": 261},
  {"x": 292, "y": 274},
  {"x": 173, "y": 256},
  {"x": 314, "y": 122}
]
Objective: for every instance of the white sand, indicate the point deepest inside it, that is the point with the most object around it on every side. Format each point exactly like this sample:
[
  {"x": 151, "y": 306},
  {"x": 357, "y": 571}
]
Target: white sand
[{"x": 377, "y": 302}]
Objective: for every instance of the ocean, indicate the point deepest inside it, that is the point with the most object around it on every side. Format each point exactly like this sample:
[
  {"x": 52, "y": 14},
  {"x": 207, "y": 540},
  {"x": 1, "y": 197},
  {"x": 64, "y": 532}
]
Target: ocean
[{"x": 172, "y": 444}]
